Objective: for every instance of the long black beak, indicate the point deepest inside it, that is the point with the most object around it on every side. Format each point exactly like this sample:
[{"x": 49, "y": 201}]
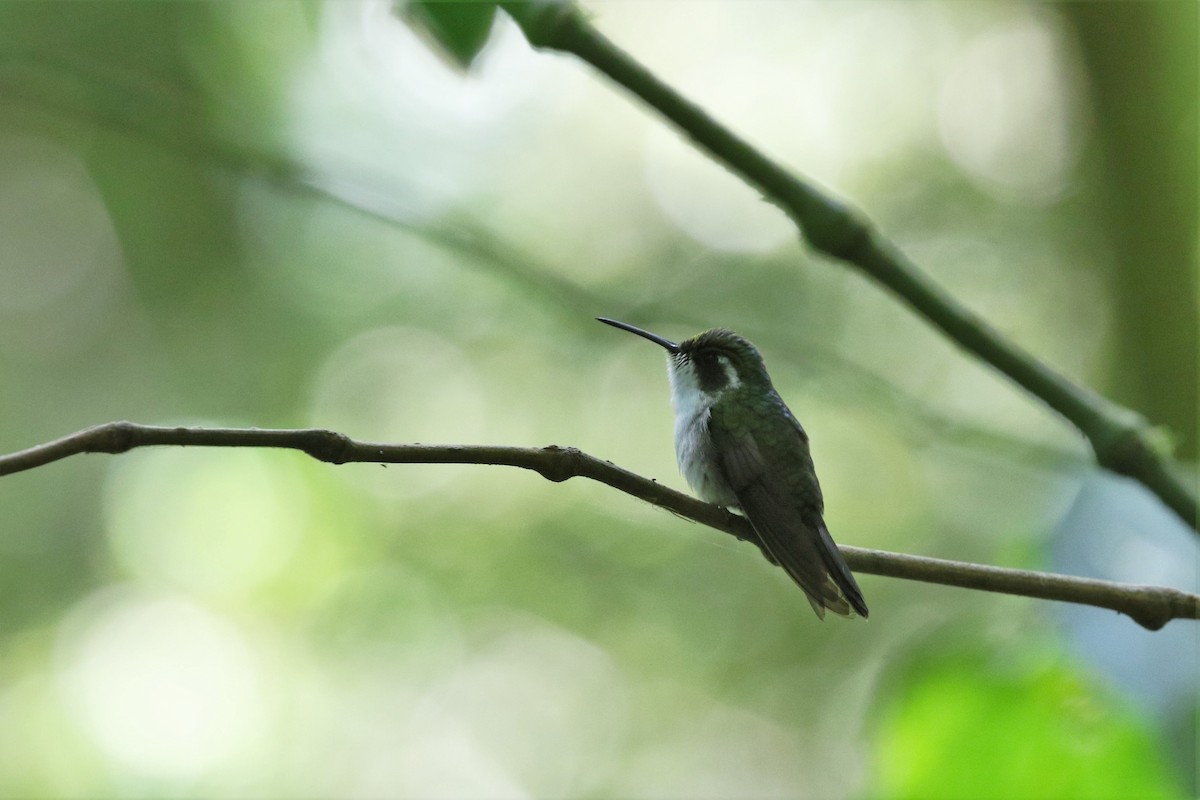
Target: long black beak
[{"x": 625, "y": 326}]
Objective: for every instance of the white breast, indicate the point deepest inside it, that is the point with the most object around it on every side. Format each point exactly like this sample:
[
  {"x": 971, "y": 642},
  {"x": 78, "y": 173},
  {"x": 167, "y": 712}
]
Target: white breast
[{"x": 693, "y": 448}]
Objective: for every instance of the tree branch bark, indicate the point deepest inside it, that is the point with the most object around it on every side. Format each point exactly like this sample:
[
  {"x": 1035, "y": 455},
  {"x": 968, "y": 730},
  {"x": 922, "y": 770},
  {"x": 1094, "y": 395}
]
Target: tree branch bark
[
  {"x": 1122, "y": 440},
  {"x": 1149, "y": 606}
]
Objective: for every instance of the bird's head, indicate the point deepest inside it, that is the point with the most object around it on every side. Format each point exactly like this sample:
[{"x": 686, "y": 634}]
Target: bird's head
[{"x": 710, "y": 363}]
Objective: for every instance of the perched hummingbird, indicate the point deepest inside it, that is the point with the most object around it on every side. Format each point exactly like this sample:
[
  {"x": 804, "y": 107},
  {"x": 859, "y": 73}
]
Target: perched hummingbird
[{"x": 739, "y": 446}]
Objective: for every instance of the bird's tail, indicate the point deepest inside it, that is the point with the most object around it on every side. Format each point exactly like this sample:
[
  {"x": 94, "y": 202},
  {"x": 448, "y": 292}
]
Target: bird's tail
[
  {"x": 817, "y": 567},
  {"x": 839, "y": 591}
]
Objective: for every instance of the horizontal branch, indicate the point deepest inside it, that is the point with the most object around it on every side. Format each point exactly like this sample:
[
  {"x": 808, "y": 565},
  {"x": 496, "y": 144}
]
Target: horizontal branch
[
  {"x": 1150, "y": 606},
  {"x": 1122, "y": 440}
]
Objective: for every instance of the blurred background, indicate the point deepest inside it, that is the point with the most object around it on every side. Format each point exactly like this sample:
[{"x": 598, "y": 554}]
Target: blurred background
[{"x": 284, "y": 214}]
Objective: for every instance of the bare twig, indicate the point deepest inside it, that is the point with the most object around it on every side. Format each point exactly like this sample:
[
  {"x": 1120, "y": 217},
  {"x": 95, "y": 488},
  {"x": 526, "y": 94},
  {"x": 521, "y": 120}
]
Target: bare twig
[
  {"x": 1122, "y": 440},
  {"x": 1149, "y": 606}
]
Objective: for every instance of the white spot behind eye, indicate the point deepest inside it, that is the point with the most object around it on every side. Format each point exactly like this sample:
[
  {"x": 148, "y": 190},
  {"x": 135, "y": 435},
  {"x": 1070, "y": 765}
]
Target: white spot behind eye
[{"x": 731, "y": 376}]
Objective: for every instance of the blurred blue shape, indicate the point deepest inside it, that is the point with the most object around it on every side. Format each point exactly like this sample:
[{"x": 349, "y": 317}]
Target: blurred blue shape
[{"x": 1118, "y": 531}]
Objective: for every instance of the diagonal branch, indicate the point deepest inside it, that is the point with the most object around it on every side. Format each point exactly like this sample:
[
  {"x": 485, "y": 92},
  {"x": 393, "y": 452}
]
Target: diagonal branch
[
  {"x": 1149, "y": 606},
  {"x": 1121, "y": 439}
]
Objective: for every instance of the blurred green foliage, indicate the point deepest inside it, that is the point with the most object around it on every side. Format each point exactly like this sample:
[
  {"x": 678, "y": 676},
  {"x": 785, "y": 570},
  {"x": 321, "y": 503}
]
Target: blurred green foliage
[
  {"x": 292, "y": 213},
  {"x": 965, "y": 728}
]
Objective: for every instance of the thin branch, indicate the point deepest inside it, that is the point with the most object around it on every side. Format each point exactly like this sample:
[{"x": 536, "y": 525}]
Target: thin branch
[
  {"x": 1149, "y": 606},
  {"x": 1122, "y": 440}
]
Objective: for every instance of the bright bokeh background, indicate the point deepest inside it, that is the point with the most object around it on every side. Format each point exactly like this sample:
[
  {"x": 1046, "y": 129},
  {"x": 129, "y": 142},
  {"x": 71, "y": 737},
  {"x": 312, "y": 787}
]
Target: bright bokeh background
[{"x": 296, "y": 214}]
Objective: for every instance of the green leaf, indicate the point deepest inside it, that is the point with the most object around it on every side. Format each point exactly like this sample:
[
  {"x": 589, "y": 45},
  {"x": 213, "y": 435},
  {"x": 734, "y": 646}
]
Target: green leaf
[
  {"x": 458, "y": 29},
  {"x": 963, "y": 731}
]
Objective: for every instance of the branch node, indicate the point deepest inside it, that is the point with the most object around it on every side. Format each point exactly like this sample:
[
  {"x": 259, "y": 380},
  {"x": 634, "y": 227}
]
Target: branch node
[
  {"x": 329, "y": 446},
  {"x": 1126, "y": 451},
  {"x": 829, "y": 226},
  {"x": 115, "y": 437},
  {"x": 542, "y": 21},
  {"x": 1151, "y": 622},
  {"x": 560, "y": 464}
]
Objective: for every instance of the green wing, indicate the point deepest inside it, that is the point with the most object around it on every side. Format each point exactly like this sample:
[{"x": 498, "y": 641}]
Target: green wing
[{"x": 783, "y": 503}]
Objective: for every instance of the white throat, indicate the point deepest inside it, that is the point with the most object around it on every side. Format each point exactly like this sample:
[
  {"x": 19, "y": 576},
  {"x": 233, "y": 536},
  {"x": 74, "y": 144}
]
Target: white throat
[
  {"x": 693, "y": 447},
  {"x": 687, "y": 398}
]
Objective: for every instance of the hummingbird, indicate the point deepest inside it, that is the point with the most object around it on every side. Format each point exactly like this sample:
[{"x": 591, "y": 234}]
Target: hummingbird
[{"x": 739, "y": 446}]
